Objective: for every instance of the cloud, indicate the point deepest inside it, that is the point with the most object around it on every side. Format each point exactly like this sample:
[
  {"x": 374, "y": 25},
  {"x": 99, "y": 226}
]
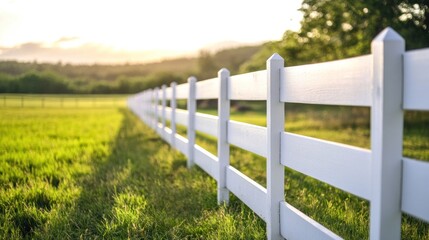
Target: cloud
[
  {"x": 71, "y": 50},
  {"x": 66, "y": 39}
]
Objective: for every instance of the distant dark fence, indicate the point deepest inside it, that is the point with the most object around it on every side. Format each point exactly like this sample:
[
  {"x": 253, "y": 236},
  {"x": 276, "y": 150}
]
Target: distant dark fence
[{"x": 61, "y": 101}]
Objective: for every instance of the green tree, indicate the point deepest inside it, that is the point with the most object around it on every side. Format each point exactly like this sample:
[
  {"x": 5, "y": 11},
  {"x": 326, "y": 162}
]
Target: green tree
[
  {"x": 207, "y": 67},
  {"x": 45, "y": 82},
  {"x": 339, "y": 29},
  {"x": 7, "y": 83}
]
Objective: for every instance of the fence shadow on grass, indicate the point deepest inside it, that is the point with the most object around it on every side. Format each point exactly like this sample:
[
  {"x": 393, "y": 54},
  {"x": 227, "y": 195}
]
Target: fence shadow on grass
[{"x": 142, "y": 189}]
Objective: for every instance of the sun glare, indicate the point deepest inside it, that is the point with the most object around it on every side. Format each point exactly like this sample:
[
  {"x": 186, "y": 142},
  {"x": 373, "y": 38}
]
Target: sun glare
[{"x": 132, "y": 25}]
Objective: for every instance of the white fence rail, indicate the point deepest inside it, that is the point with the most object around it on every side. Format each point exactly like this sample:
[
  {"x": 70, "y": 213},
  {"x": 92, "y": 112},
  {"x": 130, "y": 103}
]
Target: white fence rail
[{"x": 389, "y": 81}]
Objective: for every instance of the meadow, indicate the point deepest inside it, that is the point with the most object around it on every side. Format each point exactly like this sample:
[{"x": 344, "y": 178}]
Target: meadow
[
  {"x": 62, "y": 100},
  {"x": 101, "y": 173}
]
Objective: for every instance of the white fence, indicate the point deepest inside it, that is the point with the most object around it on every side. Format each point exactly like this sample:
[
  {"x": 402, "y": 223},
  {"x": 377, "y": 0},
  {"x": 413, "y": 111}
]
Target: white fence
[{"x": 389, "y": 81}]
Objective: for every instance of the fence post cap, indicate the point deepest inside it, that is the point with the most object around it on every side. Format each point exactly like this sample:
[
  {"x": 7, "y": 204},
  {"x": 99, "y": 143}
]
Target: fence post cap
[
  {"x": 222, "y": 71},
  {"x": 192, "y": 79},
  {"x": 275, "y": 57},
  {"x": 388, "y": 35},
  {"x": 173, "y": 84}
]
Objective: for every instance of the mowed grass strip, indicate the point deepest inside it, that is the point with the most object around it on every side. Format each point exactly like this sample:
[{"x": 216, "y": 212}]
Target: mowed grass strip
[
  {"x": 101, "y": 173},
  {"x": 63, "y": 100}
]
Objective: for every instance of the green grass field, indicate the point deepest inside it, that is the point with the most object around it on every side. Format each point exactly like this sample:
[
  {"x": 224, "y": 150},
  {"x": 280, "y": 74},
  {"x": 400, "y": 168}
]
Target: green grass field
[
  {"x": 101, "y": 173},
  {"x": 62, "y": 100}
]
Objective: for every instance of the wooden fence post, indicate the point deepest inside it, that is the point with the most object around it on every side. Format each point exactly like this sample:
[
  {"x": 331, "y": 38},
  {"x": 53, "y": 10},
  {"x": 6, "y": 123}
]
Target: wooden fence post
[
  {"x": 163, "y": 116},
  {"x": 173, "y": 114},
  {"x": 149, "y": 107},
  {"x": 275, "y": 127},
  {"x": 222, "y": 139},
  {"x": 140, "y": 103},
  {"x": 152, "y": 108},
  {"x": 144, "y": 103},
  {"x": 386, "y": 135},
  {"x": 192, "y": 105},
  {"x": 156, "y": 109}
]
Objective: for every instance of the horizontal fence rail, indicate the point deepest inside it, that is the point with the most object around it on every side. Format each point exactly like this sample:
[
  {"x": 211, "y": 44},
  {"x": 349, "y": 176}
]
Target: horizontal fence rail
[
  {"x": 248, "y": 136},
  {"x": 342, "y": 82},
  {"x": 206, "y": 123},
  {"x": 393, "y": 184},
  {"x": 342, "y": 166},
  {"x": 248, "y": 86},
  {"x": 416, "y": 84},
  {"x": 249, "y": 191},
  {"x": 206, "y": 161},
  {"x": 297, "y": 225}
]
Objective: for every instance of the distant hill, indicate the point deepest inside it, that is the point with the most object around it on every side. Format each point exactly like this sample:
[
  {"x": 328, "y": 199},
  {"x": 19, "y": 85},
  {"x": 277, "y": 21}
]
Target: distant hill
[
  {"x": 120, "y": 78},
  {"x": 233, "y": 58}
]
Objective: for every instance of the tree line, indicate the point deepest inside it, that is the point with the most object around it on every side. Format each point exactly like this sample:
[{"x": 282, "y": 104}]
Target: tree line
[
  {"x": 34, "y": 77},
  {"x": 54, "y": 82}
]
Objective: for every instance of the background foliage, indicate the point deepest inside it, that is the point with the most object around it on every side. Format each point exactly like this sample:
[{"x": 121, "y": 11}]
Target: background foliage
[{"x": 333, "y": 30}]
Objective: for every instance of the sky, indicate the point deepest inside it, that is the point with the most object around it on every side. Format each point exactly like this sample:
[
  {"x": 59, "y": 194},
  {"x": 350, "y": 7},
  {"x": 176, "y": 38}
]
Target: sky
[{"x": 115, "y": 31}]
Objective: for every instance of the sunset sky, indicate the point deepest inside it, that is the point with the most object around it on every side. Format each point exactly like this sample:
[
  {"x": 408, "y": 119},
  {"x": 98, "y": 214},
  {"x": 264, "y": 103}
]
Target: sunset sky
[{"x": 113, "y": 31}]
